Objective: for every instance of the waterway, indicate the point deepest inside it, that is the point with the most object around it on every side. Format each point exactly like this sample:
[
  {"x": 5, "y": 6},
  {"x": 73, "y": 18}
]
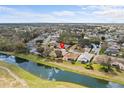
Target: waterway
[{"x": 55, "y": 74}]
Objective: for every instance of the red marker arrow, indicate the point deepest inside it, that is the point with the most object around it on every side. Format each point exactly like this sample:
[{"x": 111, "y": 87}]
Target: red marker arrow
[{"x": 62, "y": 45}]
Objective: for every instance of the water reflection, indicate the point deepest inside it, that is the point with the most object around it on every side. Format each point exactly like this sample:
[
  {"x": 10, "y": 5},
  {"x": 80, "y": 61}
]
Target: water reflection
[
  {"x": 52, "y": 73},
  {"x": 55, "y": 74},
  {"x": 20, "y": 60},
  {"x": 114, "y": 85}
]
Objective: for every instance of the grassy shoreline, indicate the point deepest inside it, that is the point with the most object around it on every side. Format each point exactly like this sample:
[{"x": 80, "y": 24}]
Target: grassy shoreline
[
  {"x": 36, "y": 82},
  {"x": 35, "y": 58}
]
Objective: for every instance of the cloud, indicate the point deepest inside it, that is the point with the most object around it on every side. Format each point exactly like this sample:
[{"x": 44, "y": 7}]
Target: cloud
[
  {"x": 84, "y": 14},
  {"x": 14, "y": 15},
  {"x": 64, "y": 13},
  {"x": 105, "y": 12},
  {"x": 19, "y": 16},
  {"x": 111, "y": 13},
  {"x": 6, "y": 9}
]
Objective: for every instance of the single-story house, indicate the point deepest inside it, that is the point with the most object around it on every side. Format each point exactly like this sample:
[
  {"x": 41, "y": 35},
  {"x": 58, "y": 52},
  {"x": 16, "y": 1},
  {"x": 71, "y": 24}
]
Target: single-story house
[
  {"x": 85, "y": 57},
  {"x": 71, "y": 57},
  {"x": 66, "y": 46},
  {"x": 100, "y": 59},
  {"x": 76, "y": 49},
  {"x": 53, "y": 43},
  {"x": 112, "y": 51},
  {"x": 62, "y": 50},
  {"x": 116, "y": 46},
  {"x": 121, "y": 66},
  {"x": 87, "y": 49},
  {"x": 34, "y": 51},
  {"x": 54, "y": 37}
]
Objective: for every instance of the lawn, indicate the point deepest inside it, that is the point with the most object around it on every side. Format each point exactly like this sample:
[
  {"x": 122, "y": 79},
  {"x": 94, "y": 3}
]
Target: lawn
[
  {"x": 7, "y": 80},
  {"x": 34, "y": 81}
]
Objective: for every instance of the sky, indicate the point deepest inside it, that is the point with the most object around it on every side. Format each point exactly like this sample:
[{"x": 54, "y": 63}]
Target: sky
[{"x": 61, "y": 14}]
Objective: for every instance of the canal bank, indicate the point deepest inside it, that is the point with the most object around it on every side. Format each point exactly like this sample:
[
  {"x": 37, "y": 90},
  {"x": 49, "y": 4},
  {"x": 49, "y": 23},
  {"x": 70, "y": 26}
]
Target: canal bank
[
  {"x": 34, "y": 81},
  {"x": 40, "y": 60}
]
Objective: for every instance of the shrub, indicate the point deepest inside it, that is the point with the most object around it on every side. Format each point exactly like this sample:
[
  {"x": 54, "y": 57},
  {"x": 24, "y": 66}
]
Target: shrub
[{"x": 89, "y": 67}]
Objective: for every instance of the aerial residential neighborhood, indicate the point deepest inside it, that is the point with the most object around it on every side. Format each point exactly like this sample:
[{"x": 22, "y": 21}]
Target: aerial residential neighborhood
[
  {"x": 41, "y": 54},
  {"x": 99, "y": 40},
  {"x": 78, "y": 47}
]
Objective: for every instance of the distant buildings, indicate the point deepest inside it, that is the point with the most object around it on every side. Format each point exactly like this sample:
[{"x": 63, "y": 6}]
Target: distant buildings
[{"x": 50, "y": 33}]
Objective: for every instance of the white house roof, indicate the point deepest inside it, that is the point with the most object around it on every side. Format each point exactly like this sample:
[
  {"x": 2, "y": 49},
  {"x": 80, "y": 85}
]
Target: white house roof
[
  {"x": 85, "y": 56},
  {"x": 64, "y": 51}
]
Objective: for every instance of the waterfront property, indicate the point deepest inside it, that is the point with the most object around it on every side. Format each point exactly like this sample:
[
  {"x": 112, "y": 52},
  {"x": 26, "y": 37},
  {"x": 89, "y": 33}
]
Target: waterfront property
[
  {"x": 71, "y": 57},
  {"x": 85, "y": 57},
  {"x": 55, "y": 74}
]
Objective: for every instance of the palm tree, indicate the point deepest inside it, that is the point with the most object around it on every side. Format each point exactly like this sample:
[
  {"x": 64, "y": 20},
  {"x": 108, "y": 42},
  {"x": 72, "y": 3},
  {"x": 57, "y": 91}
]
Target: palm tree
[
  {"x": 107, "y": 64},
  {"x": 89, "y": 66}
]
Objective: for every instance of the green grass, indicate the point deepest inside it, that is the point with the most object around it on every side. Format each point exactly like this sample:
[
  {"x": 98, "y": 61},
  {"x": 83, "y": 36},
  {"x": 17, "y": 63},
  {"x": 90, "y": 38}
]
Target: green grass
[
  {"x": 102, "y": 51},
  {"x": 36, "y": 82},
  {"x": 118, "y": 79},
  {"x": 6, "y": 80}
]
